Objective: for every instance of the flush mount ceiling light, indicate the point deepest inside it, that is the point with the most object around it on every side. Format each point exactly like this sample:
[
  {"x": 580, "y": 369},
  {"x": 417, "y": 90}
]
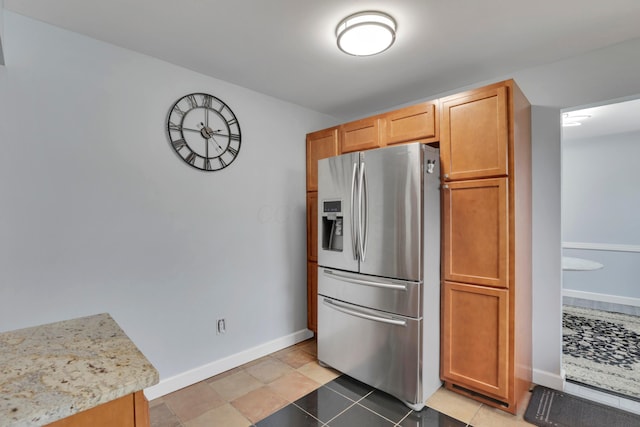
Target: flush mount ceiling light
[
  {"x": 568, "y": 120},
  {"x": 366, "y": 33}
]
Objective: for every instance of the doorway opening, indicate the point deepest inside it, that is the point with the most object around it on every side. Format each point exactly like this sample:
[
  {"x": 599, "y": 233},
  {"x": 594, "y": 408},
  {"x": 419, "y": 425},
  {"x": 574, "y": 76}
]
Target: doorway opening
[{"x": 601, "y": 246}]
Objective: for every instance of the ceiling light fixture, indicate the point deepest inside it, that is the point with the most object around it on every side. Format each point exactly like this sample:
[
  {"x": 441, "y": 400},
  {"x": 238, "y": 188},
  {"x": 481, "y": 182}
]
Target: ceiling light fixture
[
  {"x": 366, "y": 33},
  {"x": 568, "y": 120}
]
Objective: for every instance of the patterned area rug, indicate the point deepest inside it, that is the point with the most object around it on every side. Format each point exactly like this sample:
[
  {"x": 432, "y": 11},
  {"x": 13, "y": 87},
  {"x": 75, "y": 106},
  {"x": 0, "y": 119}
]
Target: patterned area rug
[{"x": 602, "y": 349}]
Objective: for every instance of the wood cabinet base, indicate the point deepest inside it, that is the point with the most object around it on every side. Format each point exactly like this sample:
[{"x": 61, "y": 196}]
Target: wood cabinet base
[{"x": 128, "y": 411}]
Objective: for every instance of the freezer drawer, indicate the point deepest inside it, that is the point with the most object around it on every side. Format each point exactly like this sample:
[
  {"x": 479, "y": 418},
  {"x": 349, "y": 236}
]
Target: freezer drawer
[
  {"x": 377, "y": 348},
  {"x": 378, "y": 293}
]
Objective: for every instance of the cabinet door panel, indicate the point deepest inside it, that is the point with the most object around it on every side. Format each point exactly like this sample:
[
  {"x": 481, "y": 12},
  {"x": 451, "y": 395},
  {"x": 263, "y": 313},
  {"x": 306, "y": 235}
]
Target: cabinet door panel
[
  {"x": 359, "y": 135},
  {"x": 320, "y": 145},
  {"x": 119, "y": 412},
  {"x": 475, "y": 134},
  {"x": 312, "y": 226},
  {"x": 414, "y": 123},
  {"x": 476, "y": 232},
  {"x": 475, "y": 346}
]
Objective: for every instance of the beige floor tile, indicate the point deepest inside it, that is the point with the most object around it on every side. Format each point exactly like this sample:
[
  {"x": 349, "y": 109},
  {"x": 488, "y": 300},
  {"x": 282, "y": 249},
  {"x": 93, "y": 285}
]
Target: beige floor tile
[
  {"x": 259, "y": 404},
  {"x": 260, "y": 360},
  {"x": 193, "y": 401},
  {"x": 296, "y": 358},
  {"x": 236, "y": 385},
  {"x": 224, "y": 374},
  {"x": 269, "y": 370},
  {"x": 454, "y": 405},
  {"x": 161, "y": 416},
  {"x": 492, "y": 417},
  {"x": 310, "y": 346},
  {"x": 223, "y": 416},
  {"x": 293, "y": 386},
  {"x": 318, "y": 373},
  {"x": 156, "y": 402}
]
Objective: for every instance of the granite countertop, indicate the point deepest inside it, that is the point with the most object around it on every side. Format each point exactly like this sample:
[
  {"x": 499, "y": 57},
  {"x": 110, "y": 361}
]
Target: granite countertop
[{"x": 52, "y": 371}]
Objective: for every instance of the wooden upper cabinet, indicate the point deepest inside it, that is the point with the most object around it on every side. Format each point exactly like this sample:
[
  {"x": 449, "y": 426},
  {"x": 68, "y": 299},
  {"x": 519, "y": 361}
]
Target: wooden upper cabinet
[
  {"x": 475, "y": 225},
  {"x": 320, "y": 145},
  {"x": 312, "y": 226},
  {"x": 359, "y": 135},
  {"x": 418, "y": 122},
  {"x": 475, "y": 338},
  {"x": 475, "y": 134}
]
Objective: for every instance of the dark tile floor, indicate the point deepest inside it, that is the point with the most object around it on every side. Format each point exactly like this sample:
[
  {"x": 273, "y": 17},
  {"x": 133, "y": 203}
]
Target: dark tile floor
[{"x": 345, "y": 402}]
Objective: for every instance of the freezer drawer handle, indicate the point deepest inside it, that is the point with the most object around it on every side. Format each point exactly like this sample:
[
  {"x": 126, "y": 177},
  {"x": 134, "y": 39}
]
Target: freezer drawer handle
[
  {"x": 332, "y": 275},
  {"x": 363, "y": 315}
]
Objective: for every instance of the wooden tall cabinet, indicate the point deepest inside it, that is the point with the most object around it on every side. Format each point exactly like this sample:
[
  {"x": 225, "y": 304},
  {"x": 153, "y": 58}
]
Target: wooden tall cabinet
[
  {"x": 320, "y": 145},
  {"x": 486, "y": 230}
]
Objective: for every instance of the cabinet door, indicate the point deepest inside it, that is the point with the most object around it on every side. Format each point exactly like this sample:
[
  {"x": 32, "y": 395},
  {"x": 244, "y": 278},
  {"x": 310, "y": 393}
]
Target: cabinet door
[
  {"x": 312, "y": 296},
  {"x": 359, "y": 135},
  {"x": 475, "y": 134},
  {"x": 475, "y": 345},
  {"x": 414, "y": 123},
  {"x": 475, "y": 225},
  {"x": 119, "y": 412},
  {"x": 312, "y": 226},
  {"x": 320, "y": 145}
]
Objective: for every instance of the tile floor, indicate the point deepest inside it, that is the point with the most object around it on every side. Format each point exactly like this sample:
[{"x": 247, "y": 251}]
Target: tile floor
[{"x": 289, "y": 388}]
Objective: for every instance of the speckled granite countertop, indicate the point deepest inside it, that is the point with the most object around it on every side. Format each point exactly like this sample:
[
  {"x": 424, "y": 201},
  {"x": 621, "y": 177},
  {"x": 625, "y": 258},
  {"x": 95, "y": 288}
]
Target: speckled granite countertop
[{"x": 52, "y": 371}]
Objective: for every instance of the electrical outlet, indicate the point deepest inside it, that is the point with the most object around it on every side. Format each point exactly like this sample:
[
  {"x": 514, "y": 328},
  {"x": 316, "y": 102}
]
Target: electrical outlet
[{"x": 221, "y": 326}]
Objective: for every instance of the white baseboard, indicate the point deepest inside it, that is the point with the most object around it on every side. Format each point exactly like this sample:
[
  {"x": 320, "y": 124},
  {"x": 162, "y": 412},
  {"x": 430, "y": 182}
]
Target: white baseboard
[
  {"x": 549, "y": 379},
  {"x": 613, "y": 299},
  {"x": 171, "y": 384}
]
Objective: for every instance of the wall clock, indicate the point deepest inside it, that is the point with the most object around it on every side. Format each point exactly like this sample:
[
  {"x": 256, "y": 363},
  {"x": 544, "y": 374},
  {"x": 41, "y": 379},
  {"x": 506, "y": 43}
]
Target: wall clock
[{"x": 204, "y": 132}]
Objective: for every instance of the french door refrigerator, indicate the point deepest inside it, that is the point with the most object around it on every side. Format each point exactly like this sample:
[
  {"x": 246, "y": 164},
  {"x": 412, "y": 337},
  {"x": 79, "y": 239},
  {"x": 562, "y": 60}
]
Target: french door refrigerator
[{"x": 379, "y": 268}]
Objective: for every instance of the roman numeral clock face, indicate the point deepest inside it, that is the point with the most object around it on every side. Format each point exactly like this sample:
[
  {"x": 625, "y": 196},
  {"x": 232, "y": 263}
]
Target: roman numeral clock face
[{"x": 204, "y": 131}]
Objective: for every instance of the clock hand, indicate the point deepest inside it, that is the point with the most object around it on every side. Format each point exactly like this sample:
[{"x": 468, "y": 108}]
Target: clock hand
[
  {"x": 191, "y": 130},
  {"x": 216, "y": 142}
]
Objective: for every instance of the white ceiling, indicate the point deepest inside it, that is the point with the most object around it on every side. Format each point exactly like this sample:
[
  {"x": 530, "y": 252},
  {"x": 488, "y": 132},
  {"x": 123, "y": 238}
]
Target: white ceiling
[
  {"x": 286, "y": 48},
  {"x": 615, "y": 118}
]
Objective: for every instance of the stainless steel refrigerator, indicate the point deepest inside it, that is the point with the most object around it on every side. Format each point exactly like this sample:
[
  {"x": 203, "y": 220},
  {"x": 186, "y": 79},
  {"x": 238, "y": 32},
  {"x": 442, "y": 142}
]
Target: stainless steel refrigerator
[{"x": 379, "y": 269}]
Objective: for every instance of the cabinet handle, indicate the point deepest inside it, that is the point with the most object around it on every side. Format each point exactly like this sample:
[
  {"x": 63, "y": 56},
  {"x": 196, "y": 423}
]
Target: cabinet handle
[
  {"x": 445, "y": 186},
  {"x": 446, "y": 176}
]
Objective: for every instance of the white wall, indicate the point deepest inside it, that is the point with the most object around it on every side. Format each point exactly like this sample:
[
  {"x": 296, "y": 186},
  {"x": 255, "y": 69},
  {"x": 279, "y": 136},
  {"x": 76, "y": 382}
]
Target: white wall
[
  {"x": 546, "y": 158},
  {"x": 98, "y": 214},
  {"x": 601, "y": 206},
  {"x": 1, "y": 31},
  {"x": 600, "y": 185}
]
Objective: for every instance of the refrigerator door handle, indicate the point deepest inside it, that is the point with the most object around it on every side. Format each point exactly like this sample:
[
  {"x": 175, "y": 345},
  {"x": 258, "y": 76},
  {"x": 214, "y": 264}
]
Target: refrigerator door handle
[
  {"x": 392, "y": 286},
  {"x": 363, "y": 215},
  {"x": 354, "y": 240},
  {"x": 356, "y": 313}
]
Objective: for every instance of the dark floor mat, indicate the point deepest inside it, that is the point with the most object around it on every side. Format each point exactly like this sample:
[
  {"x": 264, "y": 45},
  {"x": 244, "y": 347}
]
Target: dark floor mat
[{"x": 549, "y": 407}]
